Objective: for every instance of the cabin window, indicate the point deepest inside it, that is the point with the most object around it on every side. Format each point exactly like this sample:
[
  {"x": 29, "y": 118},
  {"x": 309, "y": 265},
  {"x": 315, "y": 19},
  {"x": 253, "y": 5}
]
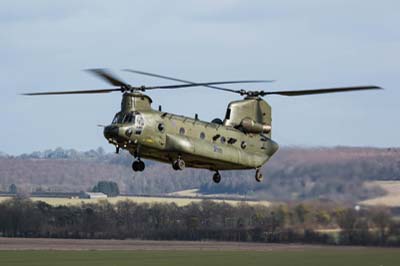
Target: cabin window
[
  {"x": 202, "y": 135},
  {"x": 216, "y": 137},
  {"x": 231, "y": 140},
  {"x": 161, "y": 127},
  {"x": 182, "y": 131},
  {"x": 243, "y": 145},
  {"x": 223, "y": 140},
  {"x": 228, "y": 114}
]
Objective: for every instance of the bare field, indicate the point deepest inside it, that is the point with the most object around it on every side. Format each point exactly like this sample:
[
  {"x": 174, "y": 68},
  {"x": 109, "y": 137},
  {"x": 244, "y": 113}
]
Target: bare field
[
  {"x": 391, "y": 199},
  {"x": 150, "y": 200},
  {"x": 195, "y": 193}
]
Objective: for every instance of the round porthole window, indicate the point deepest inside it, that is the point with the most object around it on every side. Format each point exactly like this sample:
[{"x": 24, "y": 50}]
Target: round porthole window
[
  {"x": 202, "y": 135},
  {"x": 128, "y": 132},
  {"x": 182, "y": 131},
  {"x": 161, "y": 127},
  {"x": 243, "y": 145}
]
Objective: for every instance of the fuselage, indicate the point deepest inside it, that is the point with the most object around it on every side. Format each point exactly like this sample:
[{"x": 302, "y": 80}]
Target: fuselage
[{"x": 165, "y": 137}]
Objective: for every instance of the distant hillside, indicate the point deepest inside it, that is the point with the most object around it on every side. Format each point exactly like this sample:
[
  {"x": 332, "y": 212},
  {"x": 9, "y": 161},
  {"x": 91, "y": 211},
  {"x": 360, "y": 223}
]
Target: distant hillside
[
  {"x": 294, "y": 173},
  {"x": 331, "y": 173}
]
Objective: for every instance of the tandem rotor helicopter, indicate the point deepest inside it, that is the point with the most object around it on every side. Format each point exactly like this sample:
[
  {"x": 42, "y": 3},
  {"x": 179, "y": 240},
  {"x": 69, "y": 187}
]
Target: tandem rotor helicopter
[{"x": 241, "y": 141}]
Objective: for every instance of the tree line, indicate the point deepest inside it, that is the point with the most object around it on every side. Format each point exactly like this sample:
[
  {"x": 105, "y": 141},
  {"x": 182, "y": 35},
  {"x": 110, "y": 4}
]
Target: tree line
[
  {"x": 109, "y": 188},
  {"x": 206, "y": 220}
]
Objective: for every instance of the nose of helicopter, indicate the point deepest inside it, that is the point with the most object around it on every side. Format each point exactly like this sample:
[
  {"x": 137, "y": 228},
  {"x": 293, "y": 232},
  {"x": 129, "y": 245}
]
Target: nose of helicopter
[{"x": 111, "y": 132}]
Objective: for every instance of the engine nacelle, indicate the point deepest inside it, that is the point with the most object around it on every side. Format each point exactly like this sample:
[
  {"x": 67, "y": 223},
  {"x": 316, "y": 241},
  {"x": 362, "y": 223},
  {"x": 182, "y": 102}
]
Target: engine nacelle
[{"x": 250, "y": 126}]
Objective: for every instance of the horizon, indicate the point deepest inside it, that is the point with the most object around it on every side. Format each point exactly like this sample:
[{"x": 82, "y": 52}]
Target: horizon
[{"x": 124, "y": 151}]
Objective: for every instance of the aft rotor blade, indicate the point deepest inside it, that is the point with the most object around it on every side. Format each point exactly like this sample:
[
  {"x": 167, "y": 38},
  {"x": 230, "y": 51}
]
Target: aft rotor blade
[
  {"x": 320, "y": 91},
  {"x": 185, "y": 81},
  {"x": 71, "y": 92},
  {"x": 108, "y": 77}
]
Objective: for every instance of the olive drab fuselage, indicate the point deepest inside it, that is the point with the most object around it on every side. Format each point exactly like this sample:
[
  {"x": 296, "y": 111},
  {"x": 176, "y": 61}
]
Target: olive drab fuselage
[{"x": 161, "y": 136}]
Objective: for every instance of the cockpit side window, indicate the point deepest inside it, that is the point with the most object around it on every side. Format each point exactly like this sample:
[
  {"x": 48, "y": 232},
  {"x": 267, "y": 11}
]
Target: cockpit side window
[{"x": 116, "y": 118}]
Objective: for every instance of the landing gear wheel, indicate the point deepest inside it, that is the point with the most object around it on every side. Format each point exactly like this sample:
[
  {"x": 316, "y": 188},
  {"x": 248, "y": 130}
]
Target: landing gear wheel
[
  {"x": 135, "y": 166},
  {"x": 178, "y": 164},
  {"x": 138, "y": 166},
  {"x": 141, "y": 166},
  {"x": 259, "y": 176},
  {"x": 217, "y": 177}
]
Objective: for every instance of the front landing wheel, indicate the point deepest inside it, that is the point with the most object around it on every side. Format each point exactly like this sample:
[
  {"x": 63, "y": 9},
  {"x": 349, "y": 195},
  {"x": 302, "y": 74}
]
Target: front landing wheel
[{"x": 138, "y": 166}]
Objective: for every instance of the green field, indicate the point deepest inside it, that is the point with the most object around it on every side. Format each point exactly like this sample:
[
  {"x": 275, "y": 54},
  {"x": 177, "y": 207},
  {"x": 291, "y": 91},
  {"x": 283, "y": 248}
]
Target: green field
[{"x": 326, "y": 257}]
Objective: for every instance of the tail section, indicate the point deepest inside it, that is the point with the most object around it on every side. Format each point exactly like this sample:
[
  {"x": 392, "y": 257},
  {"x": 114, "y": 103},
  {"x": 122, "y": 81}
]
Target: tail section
[{"x": 252, "y": 113}]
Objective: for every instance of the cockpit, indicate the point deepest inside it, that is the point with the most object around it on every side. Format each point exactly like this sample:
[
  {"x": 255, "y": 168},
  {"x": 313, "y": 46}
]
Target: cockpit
[
  {"x": 124, "y": 118},
  {"x": 135, "y": 119}
]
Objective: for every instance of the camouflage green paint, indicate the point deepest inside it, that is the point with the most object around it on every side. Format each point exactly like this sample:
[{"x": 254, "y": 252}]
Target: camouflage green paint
[{"x": 164, "y": 137}]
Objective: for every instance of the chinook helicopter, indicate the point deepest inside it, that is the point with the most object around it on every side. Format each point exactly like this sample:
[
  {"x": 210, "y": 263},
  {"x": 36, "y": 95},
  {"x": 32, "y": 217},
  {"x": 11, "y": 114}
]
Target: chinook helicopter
[{"x": 241, "y": 141}]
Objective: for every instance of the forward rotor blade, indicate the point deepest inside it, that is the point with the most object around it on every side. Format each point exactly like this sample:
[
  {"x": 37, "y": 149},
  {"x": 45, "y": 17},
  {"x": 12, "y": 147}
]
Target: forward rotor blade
[
  {"x": 108, "y": 77},
  {"x": 320, "y": 91},
  {"x": 70, "y": 92},
  {"x": 205, "y": 84},
  {"x": 157, "y": 75},
  {"x": 184, "y": 81}
]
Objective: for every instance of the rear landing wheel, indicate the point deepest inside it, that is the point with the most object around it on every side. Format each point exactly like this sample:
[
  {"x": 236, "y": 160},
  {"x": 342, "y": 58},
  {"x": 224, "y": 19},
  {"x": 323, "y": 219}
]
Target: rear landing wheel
[
  {"x": 259, "y": 176},
  {"x": 217, "y": 177}
]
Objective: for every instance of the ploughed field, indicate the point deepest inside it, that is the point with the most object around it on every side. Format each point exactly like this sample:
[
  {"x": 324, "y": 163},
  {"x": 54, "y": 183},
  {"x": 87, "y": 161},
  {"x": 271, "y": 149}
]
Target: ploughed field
[{"x": 59, "y": 252}]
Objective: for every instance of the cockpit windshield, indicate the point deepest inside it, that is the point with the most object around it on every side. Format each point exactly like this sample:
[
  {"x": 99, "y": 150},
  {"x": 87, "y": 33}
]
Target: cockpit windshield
[
  {"x": 116, "y": 118},
  {"x": 124, "y": 118},
  {"x": 129, "y": 118}
]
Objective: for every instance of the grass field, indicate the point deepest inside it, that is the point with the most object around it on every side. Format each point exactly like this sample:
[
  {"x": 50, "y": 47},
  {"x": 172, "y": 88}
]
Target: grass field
[
  {"x": 178, "y": 201},
  {"x": 370, "y": 257}
]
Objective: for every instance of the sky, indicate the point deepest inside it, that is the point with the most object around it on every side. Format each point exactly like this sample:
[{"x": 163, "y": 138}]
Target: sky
[{"x": 45, "y": 45}]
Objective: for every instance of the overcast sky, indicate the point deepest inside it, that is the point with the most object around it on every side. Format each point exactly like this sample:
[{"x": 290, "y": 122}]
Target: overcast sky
[{"x": 44, "y": 45}]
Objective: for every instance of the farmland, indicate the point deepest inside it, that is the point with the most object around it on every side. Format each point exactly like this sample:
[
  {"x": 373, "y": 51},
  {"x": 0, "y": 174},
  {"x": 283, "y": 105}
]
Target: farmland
[
  {"x": 176, "y": 258},
  {"x": 131, "y": 252},
  {"x": 391, "y": 199}
]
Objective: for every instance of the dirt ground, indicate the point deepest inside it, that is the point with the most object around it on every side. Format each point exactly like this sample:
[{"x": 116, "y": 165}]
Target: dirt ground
[{"x": 84, "y": 244}]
